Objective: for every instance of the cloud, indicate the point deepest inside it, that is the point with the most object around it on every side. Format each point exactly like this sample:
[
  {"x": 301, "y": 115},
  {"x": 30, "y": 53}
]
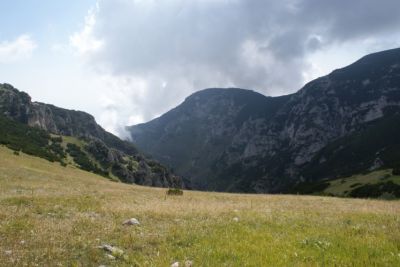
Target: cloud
[
  {"x": 84, "y": 41},
  {"x": 19, "y": 49},
  {"x": 165, "y": 50}
]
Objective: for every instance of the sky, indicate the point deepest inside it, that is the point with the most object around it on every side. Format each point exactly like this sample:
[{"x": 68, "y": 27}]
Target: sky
[{"x": 129, "y": 61}]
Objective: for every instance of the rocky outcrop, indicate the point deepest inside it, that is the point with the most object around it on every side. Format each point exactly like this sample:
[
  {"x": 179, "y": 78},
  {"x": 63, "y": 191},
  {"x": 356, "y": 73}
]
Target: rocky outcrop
[
  {"x": 239, "y": 140},
  {"x": 18, "y": 106},
  {"x": 113, "y": 155}
]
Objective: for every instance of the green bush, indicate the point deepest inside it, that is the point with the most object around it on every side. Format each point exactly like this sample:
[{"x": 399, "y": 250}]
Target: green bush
[
  {"x": 83, "y": 161},
  {"x": 174, "y": 192},
  {"x": 56, "y": 139},
  {"x": 376, "y": 190},
  {"x": 57, "y": 149},
  {"x": 355, "y": 185},
  {"x": 306, "y": 188},
  {"x": 29, "y": 140},
  {"x": 396, "y": 171}
]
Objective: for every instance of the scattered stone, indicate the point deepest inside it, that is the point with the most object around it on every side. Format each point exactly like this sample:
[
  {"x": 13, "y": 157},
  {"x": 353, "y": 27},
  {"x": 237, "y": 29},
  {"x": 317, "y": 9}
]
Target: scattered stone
[
  {"x": 131, "y": 221},
  {"x": 188, "y": 263},
  {"x": 115, "y": 252},
  {"x": 22, "y": 242},
  {"x": 111, "y": 257},
  {"x": 175, "y": 264},
  {"x": 236, "y": 219},
  {"x": 8, "y": 252}
]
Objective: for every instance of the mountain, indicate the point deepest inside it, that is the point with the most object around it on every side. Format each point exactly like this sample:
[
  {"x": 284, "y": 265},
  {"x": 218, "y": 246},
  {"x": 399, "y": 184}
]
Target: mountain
[
  {"x": 238, "y": 140},
  {"x": 74, "y": 138}
]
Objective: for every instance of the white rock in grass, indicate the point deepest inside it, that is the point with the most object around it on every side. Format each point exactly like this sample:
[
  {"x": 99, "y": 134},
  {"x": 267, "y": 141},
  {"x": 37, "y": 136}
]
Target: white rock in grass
[
  {"x": 188, "y": 263},
  {"x": 175, "y": 264},
  {"x": 116, "y": 252},
  {"x": 111, "y": 257},
  {"x": 8, "y": 252},
  {"x": 131, "y": 221},
  {"x": 236, "y": 219}
]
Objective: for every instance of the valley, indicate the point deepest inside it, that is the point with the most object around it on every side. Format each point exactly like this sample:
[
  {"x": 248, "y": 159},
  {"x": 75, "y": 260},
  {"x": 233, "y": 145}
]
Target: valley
[{"x": 236, "y": 133}]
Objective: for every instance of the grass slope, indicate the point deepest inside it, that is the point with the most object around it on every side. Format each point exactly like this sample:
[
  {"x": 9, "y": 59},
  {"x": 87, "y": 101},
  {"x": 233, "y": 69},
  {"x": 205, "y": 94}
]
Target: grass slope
[
  {"x": 55, "y": 216},
  {"x": 344, "y": 187},
  {"x": 381, "y": 184}
]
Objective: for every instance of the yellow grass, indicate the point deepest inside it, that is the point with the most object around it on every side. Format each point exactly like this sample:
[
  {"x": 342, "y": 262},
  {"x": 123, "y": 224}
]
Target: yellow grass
[{"x": 56, "y": 216}]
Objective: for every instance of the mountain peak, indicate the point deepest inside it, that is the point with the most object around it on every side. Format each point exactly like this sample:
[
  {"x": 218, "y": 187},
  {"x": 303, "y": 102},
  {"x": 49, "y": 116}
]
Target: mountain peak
[{"x": 239, "y": 140}]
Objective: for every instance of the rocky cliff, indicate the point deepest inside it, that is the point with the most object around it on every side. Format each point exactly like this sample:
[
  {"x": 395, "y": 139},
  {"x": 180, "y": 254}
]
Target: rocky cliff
[
  {"x": 98, "y": 151},
  {"x": 18, "y": 106},
  {"x": 239, "y": 140}
]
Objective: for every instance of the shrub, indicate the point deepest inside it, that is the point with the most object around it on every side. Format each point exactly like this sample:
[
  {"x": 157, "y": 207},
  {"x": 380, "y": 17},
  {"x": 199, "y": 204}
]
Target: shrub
[
  {"x": 56, "y": 139},
  {"x": 354, "y": 185},
  {"x": 386, "y": 176},
  {"x": 174, "y": 192},
  {"x": 83, "y": 160},
  {"x": 310, "y": 187},
  {"x": 396, "y": 171},
  {"x": 29, "y": 140},
  {"x": 376, "y": 190}
]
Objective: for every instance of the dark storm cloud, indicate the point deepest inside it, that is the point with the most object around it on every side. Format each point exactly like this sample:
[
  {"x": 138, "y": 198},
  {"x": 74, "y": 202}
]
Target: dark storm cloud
[
  {"x": 345, "y": 20},
  {"x": 179, "y": 46}
]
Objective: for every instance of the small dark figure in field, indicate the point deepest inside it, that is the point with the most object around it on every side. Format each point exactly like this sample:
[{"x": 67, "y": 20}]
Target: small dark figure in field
[{"x": 174, "y": 192}]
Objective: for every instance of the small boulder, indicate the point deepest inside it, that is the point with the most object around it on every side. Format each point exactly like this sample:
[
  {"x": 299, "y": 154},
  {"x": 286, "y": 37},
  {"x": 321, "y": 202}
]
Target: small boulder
[
  {"x": 115, "y": 252},
  {"x": 236, "y": 219},
  {"x": 175, "y": 264},
  {"x": 111, "y": 257},
  {"x": 188, "y": 263},
  {"x": 131, "y": 221}
]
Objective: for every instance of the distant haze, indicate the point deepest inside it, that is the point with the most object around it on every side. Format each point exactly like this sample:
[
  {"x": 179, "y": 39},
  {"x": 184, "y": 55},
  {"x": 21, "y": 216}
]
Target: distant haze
[{"x": 127, "y": 61}]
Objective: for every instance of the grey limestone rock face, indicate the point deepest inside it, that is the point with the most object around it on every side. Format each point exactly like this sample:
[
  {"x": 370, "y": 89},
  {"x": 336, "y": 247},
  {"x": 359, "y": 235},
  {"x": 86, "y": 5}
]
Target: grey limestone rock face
[
  {"x": 239, "y": 140},
  {"x": 108, "y": 150}
]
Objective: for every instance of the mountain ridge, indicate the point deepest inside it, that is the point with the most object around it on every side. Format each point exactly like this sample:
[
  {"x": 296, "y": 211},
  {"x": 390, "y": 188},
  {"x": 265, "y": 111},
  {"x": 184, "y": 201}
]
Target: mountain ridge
[
  {"x": 91, "y": 147},
  {"x": 268, "y": 148}
]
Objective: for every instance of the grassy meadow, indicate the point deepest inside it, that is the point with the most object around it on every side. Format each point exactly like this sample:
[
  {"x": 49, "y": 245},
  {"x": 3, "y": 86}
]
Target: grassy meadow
[{"x": 58, "y": 216}]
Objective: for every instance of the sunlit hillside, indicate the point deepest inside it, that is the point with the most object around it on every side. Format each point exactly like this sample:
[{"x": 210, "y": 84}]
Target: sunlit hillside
[{"x": 59, "y": 216}]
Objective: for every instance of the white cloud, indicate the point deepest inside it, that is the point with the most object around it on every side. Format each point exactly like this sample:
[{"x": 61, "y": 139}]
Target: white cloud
[
  {"x": 156, "y": 53},
  {"x": 84, "y": 41},
  {"x": 19, "y": 49}
]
